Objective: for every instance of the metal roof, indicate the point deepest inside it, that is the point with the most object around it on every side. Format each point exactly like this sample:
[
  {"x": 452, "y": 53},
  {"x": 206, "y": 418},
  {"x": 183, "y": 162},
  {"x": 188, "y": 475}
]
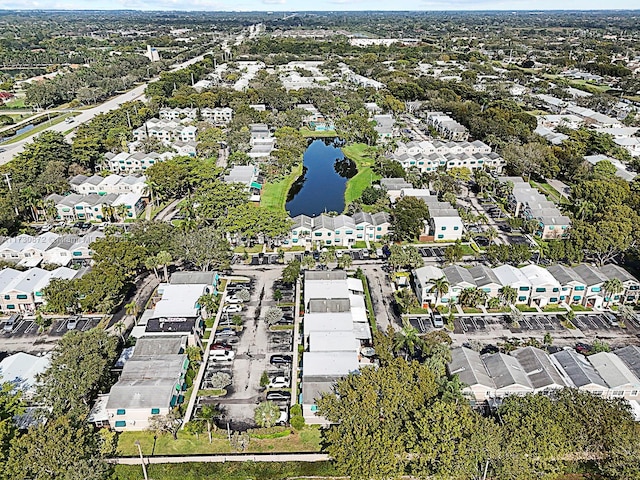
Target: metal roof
[
  {"x": 613, "y": 370},
  {"x": 539, "y": 368},
  {"x": 469, "y": 367},
  {"x": 578, "y": 369}
]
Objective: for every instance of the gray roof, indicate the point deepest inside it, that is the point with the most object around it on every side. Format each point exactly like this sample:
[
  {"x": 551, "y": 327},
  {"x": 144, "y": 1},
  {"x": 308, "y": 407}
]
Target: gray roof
[
  {"x": 564, "y": 275},
  {"x": 192, "y": 278},
  {"x": 78, "y": 179},
  {"x": 469, "y": 367},
  {"x": 147, "y": 346},
  {"x": 631, "y": 357},
  {"x": 505, "y": 370},
  {"x": 456, "y": 275},
  {"x": 335, "y": 305},
  {"x": 578, "y": 369},
  {"x": 483, "y": 275},
  {"x": 538, "y": 367},
  {"x": 302, "y": 221},
  {"x": 613, "y": 370},
  {"x": 612, "y": 271},
  {"x": 589, "y": 275},
  {"x": 313, "y": 388},
  {"x": 395, "y": 183},
  {"x": 325, "y": 275}
]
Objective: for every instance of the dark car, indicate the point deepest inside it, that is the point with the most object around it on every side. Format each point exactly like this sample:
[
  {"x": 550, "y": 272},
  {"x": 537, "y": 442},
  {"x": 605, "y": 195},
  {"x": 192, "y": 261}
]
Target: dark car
[
  {"x": 280, "y": 359},
  {"x": 279, "y": 396},
  {"x": 583, "y": 348},
  {"x": 82, "y": 225},
  {"x": 220, "y": 346}
]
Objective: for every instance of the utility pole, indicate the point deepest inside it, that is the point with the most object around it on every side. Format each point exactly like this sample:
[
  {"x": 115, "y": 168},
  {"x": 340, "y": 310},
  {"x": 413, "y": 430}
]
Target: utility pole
[
  {"x": 7, "y": 178},
  {"x": 144, "y": 467}
]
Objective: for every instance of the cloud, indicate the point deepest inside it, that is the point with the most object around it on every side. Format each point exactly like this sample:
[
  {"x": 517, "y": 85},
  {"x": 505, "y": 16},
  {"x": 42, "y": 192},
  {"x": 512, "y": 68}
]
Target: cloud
[{"x": 274, "y": 2}]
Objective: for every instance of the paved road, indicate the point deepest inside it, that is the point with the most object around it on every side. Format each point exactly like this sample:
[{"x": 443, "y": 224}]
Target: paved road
[
  {"x": 562, "y": 188},
  {"x": 258, "y": 457},
  {"x": 87, "y": 115}
]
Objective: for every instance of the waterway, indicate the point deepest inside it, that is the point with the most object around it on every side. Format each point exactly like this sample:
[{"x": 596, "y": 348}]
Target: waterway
[{"x": 325, "y": 172}]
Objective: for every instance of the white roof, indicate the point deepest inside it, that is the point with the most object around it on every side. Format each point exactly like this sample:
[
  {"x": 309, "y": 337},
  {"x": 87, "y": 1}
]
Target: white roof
[
  {"x": 332, "y": 342},
  {"x": 329, "y": 364},
  {"x": 539, "y": 276},
  {"x": 427, "y": 273},
  {"x": 21, "y": 370},
  {"x": 613, "y": 370},
  {"x": 179, "y": 300},
  {"x": 355, "y": 285},
  {"x": 328, "y": 322},
  {"x": 510, "y": 275}
]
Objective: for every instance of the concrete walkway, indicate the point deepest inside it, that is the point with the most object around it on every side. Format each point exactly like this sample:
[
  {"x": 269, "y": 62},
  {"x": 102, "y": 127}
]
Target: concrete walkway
[{"x": 258, "y": 457}]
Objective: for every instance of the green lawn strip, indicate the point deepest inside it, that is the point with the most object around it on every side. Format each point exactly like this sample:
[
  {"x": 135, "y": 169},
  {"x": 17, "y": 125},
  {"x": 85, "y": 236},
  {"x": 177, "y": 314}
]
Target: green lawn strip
[
  {"x": 229, "y": 471},
  {"x": 553, "y": 308},
  {"x": 359, "y": 154},
  {"x": 212, "y": 392},
  {"x": 525, "y": 308},
  {"x": 307, "y": 440},
  {"x": 368, "y": 303},
  {"x": 580, "y": 308},
  {"x": 274, "y": 194},
  {"x": 305, "y": 132},
  {"x": 43, "y": 126},
  {"x": 254, "y": 249}
]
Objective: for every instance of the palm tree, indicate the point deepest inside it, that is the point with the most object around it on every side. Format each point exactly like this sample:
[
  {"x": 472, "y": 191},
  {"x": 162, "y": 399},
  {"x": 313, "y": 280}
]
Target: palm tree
[
  {"x": 482, "y": 219},
  {"x": 408, "y": 341},
  {"x": 612, "y": 287},
  {"x": 122, "y": 211},
  {"x": 467, "y": 297},
  {"x": 308, "y": 262},
  {"x": 132, "y": 308},
  {"x": 345, "y": 261},
  {"x": 208, "y": 413},
  {"x": 440, "y": 287},
  {"x": 120, "y": 328},
  {"x": 491, "y": 234},
  {"x": 151, "y": 263},
  {"x": 163, "y": 258},
  {"x": 508, "y": 295}
]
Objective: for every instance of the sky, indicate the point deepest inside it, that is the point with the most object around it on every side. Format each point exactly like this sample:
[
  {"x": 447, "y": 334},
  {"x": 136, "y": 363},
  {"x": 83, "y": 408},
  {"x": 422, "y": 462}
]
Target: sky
[{"x": 326, "y": 5}]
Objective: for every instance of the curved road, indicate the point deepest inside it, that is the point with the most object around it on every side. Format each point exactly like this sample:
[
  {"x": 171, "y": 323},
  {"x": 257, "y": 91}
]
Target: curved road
[{"x": 13, "y": 149}]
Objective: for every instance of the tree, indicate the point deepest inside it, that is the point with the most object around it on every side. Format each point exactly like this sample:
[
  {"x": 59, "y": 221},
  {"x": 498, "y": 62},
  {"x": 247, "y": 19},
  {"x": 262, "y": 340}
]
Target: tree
[
  {"x": 164, "y": 258},
  {"x": 205, "y": 248},
  {"x": 62, "y": 448},
  {"x": 195, "y": 427},
  {"x": 194, "y": 354},
  {"x": 273, "y": 315},
  {"x": 612, "y": 287},
  {"x": 267, "y": 414},
  {"x": 357, "y": 128},
  {"x": 345, "y": 261},
  {"x": 508, "y": 295},
  {"x": 308, "y": 262},
  {"x": 79, "y": 369},
  {"x": 327, "y": 257},
  {"x": 132, "y": 308},
  {"x": 440, "y": 287},
  {"x": 368, "y": 439},
  {"x": 291, "y": 272},
  {"x": 11, "y": 404},
  {"x": 264, "y": 379},
  {"x": 405, "y": 257},
  {"x": 220, "y": 380},
  {"x": 120, "y": 327},
  {"x": 61, "y": 296},
  {"x": 169, "y": 423},
  {"x": 454, "y": 253},
  {"x": 208, "y": 413},
  {"x": 408, "y": 341},
  {"x": 409, "y": 215},
  {"x": 491, "y": 234}
]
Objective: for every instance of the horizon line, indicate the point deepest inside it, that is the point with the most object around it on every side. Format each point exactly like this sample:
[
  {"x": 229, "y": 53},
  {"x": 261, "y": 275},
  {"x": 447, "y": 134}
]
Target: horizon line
[{"x": 505, "y": 10}]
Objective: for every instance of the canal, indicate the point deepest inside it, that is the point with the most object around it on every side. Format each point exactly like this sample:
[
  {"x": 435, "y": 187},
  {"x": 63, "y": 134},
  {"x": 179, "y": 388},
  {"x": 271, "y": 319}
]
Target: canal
[{"x": 321, "y": 186}]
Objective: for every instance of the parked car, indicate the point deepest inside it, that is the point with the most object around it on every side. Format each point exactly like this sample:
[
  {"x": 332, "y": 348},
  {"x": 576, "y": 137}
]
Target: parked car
[
  {"x": 281, "y": 359},
  {"x": 284, "y": 416},
  {"x": 438, "y": 321},
  {"x": 232, "y": 308},
  {"x": 583, "y": 348},
  {"x": 220, "y": 346},
  {"x": 229, "y": 340},
  {"x": 279, "y": 382},
  {"x": 233, "y": 299},
  {"x": 72, "y": 323},
  {"x": 11, "y": 322},
  {"x": 221, "y": 355},
  {"x": 279, "y": 396},
  {"x": 226, "y": 332}
]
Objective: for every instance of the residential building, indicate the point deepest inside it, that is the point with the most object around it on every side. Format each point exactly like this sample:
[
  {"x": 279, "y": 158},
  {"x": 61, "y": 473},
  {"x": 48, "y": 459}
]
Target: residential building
[
  {"x": 621, "y": 381},
  {"x": 486, "y": 280},
  {"x": 572, "y": 287},
  {"x": 447, "y": 126},
  {"x": 22, "y": 291},
  {"x": 165, "y": 130},
  {"x": 513, "y": 277},
  {"x": 545, "y": 288},
  {"x": 93, "y": 207},
  {"x": 507, "y": 374},
  {"x": 335, "y": 327},
  {"x": 630, "y": 284},
  {"x": 459, "y": 279},
  {"x": 249, "y": 176},
  {"x": 424, "y": 283},
  {"x": 622, "y": 170},
  {"x": 540, "y": 370},
  {"x": 128, "y": 163},
  {"x": 151, "y": 383},
  {"x": 472, "y": 373},
  {"x": 593, "y": 279},
  {"x": 444, "y": 222},
  {"x": 21, "y": 370},
  {"x": 430, "y": 156},
  {"x": 394, "y": 186},
  {"x": 341, "y": 230},
  {"x": 385, "y": 126},
  {"x": 579, "y": 373},
  {"x": 110, "y": 184},
  {"x": 217, "y": 115}
]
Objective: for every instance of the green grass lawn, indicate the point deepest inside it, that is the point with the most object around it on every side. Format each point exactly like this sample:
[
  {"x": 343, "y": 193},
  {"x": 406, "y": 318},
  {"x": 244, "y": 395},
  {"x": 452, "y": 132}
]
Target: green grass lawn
[
  {"x": 314, "y": 134},
  {"x": 254, "y": 249},
  {"x": 307, "y": 440},
  {"x": 550, "y": 192},
  {"x": 553, "y": 308},
  {"x": 39, "y": 128},
  {"x": 229, "y": 471},
  {"x": 471, "y": 310},
  {"x": 274, "y": 195},
  {"x": 362, "y": 156},
  {"x": 580, "y": 308},
  {"x": 526, "y": 308}
]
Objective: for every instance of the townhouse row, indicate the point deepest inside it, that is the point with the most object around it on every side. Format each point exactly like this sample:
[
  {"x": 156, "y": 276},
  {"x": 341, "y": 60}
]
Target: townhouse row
[
  {"x": 447, "y": 126},
  {"x": 21, "y": 292},
  {"x": 527, "y": 202},
  {"x": 127, "y": 163},
  {"x": 342, "y": 230},
  {"x": 580, "y": 285},
  {"x": 165, "y": 131},
  {"x": 91, "y": 207},
  {"x": 217, "y": 116},
  {"x": 113, "y": 183},
  {"x": 430, "y": 156},
  {"x": 490, "y": 377},
  {"x": 48, "y": 248}
]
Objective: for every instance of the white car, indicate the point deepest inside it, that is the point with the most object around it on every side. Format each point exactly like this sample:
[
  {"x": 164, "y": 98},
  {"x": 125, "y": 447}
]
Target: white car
[
  {"x": 284, "y": 416},
  {"x": 232, "y": 309},
  {"x": 279, "y": 382},
  {"x": 221, "y": 356},
  {"x": 233, "y": 299}
]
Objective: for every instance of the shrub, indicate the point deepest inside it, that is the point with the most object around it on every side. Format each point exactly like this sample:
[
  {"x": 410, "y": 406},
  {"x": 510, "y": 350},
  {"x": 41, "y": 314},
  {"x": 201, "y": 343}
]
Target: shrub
[
  {"x": 296, "y": 410},
  {"x": 297, "y": 422}
]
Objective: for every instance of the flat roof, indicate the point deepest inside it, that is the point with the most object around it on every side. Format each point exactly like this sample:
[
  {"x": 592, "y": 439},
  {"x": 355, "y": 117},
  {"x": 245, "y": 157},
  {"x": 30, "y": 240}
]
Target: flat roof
[
  {"x": 336, "y": 364},
  {"x": 333, "y": 341}
]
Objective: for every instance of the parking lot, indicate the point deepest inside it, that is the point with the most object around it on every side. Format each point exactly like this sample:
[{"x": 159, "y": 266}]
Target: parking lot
[
  {"x": 28, "y": 327},
  {"x": 253, "y": 349},
  {"x": 437, "y": 253}
]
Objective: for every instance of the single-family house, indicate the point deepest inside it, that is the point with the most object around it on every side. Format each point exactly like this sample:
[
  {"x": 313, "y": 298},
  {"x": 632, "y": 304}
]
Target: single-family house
[{"x": 424, "y": 283}]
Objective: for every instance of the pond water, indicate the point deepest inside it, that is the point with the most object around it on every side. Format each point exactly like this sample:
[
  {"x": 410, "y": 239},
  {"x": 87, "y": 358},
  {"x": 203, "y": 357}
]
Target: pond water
[{"x": 321, "y": 186}]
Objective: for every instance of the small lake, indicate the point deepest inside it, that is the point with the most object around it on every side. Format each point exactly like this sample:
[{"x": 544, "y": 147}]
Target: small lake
[{"x": 321, "y": 186}]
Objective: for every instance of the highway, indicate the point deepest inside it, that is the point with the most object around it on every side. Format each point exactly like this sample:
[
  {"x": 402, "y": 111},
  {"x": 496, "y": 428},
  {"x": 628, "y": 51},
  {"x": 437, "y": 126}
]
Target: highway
[{"x": 136, "y": 93}]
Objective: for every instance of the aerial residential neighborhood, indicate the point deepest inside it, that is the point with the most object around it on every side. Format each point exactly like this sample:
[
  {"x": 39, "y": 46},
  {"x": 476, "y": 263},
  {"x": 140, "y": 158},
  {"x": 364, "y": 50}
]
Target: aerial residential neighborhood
[{"x": 329, "y": 244}]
